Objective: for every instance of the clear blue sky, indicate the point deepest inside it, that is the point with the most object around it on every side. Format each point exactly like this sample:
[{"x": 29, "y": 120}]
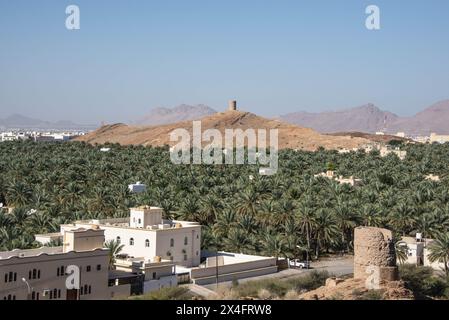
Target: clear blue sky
[{"x": 274, "y": 57}]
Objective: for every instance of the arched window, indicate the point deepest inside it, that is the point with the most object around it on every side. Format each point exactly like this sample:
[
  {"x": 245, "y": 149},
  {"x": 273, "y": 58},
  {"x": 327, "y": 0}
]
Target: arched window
[
  {"x": 37, "y": 296},
  {"x": 15, "y": 276},
  {"x": 131, "y": 241},
  {"x": 33, "y": 295},
  {"x": 38, "y": 274},
  {"x": 85, "y": 289},
  {"x": 6, "y": 277},
  {"x": 186, "y": 241},
  {"x": 119, "y": 240},
  {"x": 59, "y": 293},
  {"x": 61, "y": 270},
  {"x": 34, "y": 273},
  {"x": 29, "y": 274},
  {"x": 172, "y": 242},
  {"x": 147, "y": 243},
  {"x": 9, "y": 297},
  {"x": 55, "y": 293},
  {"x": 90, "y": 289},
  {"x": 10, "y": 277}
]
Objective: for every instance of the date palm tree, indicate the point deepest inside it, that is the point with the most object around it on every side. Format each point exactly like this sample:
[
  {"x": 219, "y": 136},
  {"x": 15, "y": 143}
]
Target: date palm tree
[
  {"x": 439, "y": 250},
  {"x": 114, "y": 249}
]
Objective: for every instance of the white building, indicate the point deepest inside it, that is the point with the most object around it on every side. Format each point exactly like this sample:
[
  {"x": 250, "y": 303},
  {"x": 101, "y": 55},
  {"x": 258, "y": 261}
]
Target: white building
[
  {"x": 418, "y": 252},
  {"x": 137, "y": 187},
  {"x": 145, "y": 234}
]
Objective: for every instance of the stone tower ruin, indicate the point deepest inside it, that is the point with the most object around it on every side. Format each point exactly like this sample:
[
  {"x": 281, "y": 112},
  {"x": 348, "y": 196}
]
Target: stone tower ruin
[
  {"x": 374, "y": 247},
  {"x": 232, "y": 105}
]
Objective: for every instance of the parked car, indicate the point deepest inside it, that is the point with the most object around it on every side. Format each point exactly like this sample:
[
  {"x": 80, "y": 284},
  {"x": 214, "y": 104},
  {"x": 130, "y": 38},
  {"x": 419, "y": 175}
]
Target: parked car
[{"x": 296, "y": 263}]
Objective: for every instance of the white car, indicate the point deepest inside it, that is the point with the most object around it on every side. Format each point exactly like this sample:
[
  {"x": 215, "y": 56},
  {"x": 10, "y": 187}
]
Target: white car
[{"x": 296, "y": 263}]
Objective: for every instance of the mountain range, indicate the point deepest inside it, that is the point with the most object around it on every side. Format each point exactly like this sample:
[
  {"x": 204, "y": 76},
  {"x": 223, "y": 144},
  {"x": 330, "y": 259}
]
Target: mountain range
[
  {"x": 370, "y": 119},
  {"x": 183, "y": 112},
  {"x": 17, "y": 121}
]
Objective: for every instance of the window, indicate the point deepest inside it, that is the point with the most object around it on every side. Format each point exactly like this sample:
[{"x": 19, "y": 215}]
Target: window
[
  {"x": 15, "y": 276},
  {"x": 154, "y": 275},
  {"x": 186, "y": 241},
  {"x": 51, "y": 295},
  {"x": 10, "y": 277},
  {"x": 118, "y": 240},
  {"x": 131, "y": 241},
  {"x": 88, "y": 269},
  {"x": 172, "y": 242},
  {"x": 59, "y": 293},
  {"x": 6, "y": 277},
  {"x": 147, "y": 243},
  {"x": 98, "y": 267},
  {"x": 197, "y": 253},
  {"x": 55, "y": 293},
  {"x": 57, "y": 272},
  {"x": 90, "y": 289},
  {"x": 38, "y": 274},
  {"x": 37, "y": 296},
  {"x": 185, "y": 257},
  {"x": 85, "y": 289},
  {"x": 197, "y": 236},
  {"x": 29, "y": 274},
  {"x": 81, "y": 291},
  {"x": 34, "y": 273},
  {"x": 61, "y": 270},
  {"x": 33, "y": 295},
  {"x": 140, "y": 221}
]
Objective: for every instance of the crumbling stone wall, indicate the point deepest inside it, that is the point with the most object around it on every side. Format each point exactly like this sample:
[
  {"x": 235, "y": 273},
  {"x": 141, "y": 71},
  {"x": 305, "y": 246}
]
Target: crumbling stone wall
[{"x": 374, "y": 247}]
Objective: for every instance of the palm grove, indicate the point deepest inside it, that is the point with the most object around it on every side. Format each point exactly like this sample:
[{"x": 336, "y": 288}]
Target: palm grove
[{"x": 284, "y": 215}]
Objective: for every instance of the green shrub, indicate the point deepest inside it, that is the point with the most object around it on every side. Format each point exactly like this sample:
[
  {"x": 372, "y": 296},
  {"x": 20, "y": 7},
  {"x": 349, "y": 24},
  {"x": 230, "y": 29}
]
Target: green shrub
[
  {"x": 372, "y": 295},
  {"x": 422, "y": 281},
  {"x": 174, "y": 293}
]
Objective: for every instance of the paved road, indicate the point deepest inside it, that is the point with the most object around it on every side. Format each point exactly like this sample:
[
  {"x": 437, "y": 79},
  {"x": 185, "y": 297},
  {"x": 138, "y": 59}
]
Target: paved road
[{"x": 337, "y": 267}]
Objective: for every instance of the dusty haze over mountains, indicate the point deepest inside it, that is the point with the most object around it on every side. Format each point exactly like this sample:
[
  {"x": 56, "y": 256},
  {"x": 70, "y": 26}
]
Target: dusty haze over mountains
[
  {"x": 369, "y": 118},
  {"x": 183, "y": 112}
]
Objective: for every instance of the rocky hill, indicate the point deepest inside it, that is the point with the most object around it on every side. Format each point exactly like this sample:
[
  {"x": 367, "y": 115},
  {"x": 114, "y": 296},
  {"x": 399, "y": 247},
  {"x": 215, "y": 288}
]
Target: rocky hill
[{"x": 290, "y": 136}]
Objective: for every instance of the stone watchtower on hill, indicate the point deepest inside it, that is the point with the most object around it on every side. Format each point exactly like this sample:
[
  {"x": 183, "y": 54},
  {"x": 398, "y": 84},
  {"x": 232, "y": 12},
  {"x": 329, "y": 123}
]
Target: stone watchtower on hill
[{"x": 232, "y": 105}]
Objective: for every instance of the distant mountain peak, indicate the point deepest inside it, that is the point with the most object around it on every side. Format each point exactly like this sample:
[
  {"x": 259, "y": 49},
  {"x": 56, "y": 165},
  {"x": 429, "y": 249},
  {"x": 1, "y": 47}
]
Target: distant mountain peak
[
  {"x": 369, "y": 118},
  {"x": 183, "y": 112}
]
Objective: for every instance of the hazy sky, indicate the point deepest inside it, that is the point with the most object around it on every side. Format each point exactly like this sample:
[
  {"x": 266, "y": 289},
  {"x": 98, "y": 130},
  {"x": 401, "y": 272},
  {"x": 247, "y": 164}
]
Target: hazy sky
[{"x": 274, "y": 57}]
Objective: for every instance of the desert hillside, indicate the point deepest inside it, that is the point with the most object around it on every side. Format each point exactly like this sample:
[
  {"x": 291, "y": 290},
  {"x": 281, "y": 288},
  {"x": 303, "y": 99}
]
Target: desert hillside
[{"x": 290, "y": 136}]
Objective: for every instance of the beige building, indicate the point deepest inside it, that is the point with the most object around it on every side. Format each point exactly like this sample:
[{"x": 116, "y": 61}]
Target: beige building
[
  {"x": 331, "y": 175},
  {"x": 438, "y": 138},
  {"x": 145, "y": 234},
  {"x": 385, "y": 151},
  {"x": 40, "y": 274},
  {"x": 432, "y": 177}
]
